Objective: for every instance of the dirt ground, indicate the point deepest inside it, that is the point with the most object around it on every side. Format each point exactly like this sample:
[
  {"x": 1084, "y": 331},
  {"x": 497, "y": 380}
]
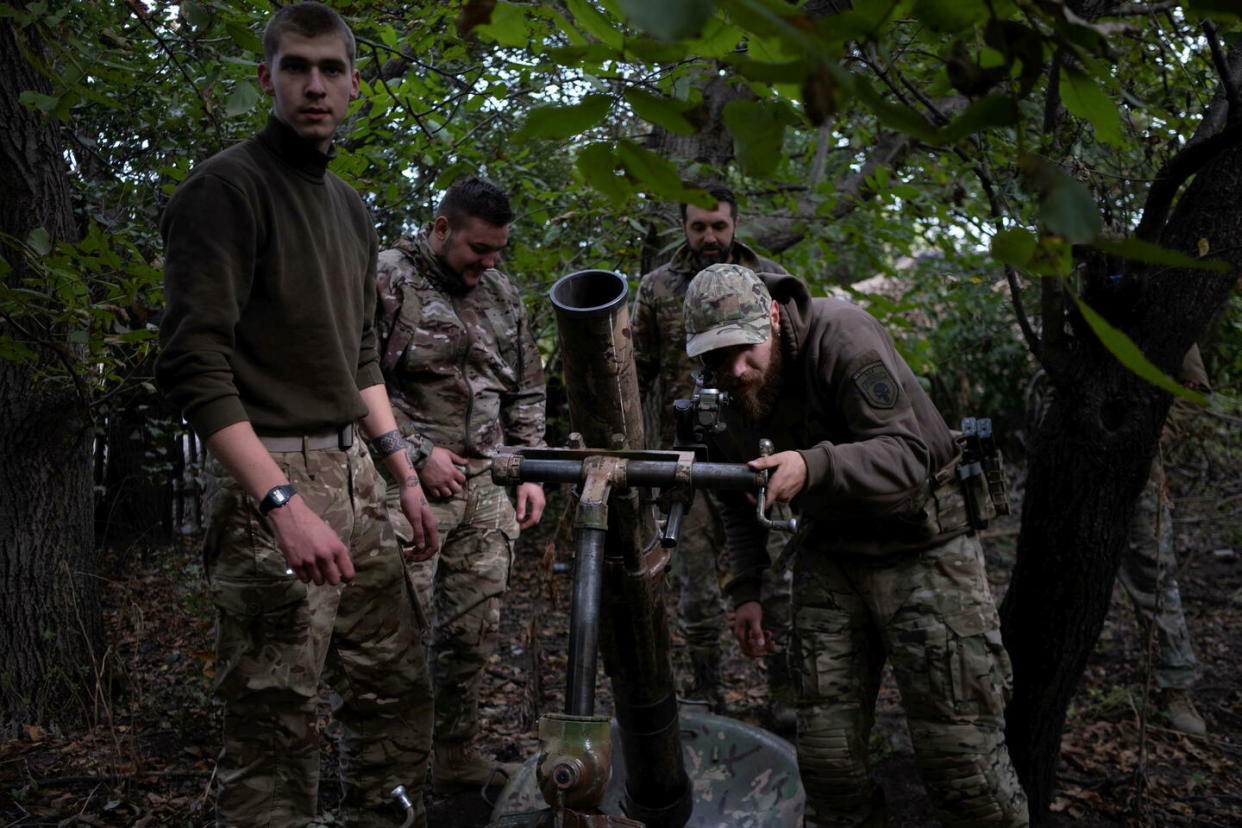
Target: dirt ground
[{"x": 148, "y": 759}]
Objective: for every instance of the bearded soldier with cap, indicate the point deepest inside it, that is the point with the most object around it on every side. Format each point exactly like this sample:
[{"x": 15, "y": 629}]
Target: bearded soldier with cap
[{"x": 887, "y": 567}]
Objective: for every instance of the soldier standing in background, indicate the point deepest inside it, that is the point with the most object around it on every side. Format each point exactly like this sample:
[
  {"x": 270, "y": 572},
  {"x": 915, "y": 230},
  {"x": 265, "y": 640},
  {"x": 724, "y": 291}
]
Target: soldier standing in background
[
  {"x": 663, "y": 367},
  {"x": 887, "y": 566},
  {"x": 270, "y": 353},
  {"x": 1149, "y": 565},
  {"x": 465, "y": 377}
]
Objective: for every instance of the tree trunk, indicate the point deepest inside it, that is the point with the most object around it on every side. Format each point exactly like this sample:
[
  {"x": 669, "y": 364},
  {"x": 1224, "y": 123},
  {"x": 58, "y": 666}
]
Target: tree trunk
[
  {"x": 1089, "y": 461},
  {"x": 50, "y": 621}
]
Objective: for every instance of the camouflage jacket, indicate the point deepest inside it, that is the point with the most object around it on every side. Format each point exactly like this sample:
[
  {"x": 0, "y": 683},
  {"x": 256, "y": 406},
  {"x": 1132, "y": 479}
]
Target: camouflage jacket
[
  {"x": 461, "y": 364},
  {"x": 660, "y": 335},
  {"x": 879, "y": 457}
]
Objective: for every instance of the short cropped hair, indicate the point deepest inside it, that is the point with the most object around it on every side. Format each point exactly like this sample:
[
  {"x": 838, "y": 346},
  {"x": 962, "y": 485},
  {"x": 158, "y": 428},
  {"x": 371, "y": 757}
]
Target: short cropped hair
[
  {"x": 307, "y": 19},
  {"x": 720, "y": 193},
  {"x": 475, "y": 197}
]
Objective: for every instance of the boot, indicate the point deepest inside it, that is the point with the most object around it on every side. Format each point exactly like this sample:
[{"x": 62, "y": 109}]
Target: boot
[
  {"x": 705, "y": 684},
  {"x": 457, "y": 765},
  {"x": 782, "y": 718},
  {"x": 1180, "y": 708}
]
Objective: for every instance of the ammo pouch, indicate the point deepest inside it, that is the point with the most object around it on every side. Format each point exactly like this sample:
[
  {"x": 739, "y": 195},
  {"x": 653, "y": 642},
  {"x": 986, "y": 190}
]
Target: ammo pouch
[{"x": 978, "y": 474}]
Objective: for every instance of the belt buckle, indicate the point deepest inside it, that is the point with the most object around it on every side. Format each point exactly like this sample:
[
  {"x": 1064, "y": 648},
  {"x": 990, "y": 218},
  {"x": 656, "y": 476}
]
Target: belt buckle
[{"x": 345, "y": 437}]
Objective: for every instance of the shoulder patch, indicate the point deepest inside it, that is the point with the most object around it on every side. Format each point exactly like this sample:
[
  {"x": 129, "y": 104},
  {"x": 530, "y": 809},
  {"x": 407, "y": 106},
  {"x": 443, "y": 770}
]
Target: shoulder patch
[{"x": 876, "y": 384}]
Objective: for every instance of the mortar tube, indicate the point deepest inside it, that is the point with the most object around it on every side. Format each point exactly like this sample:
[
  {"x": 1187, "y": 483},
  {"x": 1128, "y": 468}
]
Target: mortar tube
[{"x": 606, "y": 409}]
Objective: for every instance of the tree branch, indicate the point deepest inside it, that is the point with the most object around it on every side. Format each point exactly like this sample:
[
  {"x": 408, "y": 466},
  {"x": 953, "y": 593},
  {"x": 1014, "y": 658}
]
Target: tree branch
[
  {"x": 1222, "y": 68},
  {"x": 1192, "y": 158},
  {"x": 208, "y": 109}
]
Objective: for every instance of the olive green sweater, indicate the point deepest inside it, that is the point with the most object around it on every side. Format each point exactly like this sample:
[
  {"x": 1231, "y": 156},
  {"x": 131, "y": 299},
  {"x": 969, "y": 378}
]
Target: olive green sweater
[{"x": 269, "y": 278}]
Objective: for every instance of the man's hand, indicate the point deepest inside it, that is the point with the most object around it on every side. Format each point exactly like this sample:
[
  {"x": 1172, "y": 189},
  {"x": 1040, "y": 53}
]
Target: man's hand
[
  {"x": 422, "y": 521},
  {"x": 530, "y": 503},
  {"x": 311, "y": 548},
  {"x": 789, "y": 477},
  {"x": 748, "y": 628},
  {"x": 441, "y": 475}
]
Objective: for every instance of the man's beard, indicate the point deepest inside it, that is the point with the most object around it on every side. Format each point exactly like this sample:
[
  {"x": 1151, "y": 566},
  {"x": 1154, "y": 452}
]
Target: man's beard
[
  {"x": 757, "y": 403},
  {"x": 704, "y": 260}
]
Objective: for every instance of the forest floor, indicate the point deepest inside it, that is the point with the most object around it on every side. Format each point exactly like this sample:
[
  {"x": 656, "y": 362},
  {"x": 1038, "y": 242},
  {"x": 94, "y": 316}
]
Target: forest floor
[{"x": 149, "y": 758}]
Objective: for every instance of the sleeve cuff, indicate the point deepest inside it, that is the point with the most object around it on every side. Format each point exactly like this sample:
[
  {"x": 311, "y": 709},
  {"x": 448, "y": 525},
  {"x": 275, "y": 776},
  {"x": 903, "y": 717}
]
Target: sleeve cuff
[
  {"x": 741, "y": 592},
  {"x": 369, "y": 375},
  {"x": 210, "y": 417}
]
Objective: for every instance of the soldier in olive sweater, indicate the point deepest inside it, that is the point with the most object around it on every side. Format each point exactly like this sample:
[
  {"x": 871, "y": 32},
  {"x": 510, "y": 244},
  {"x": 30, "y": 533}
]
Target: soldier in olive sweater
[{"x": 269, "y": 351}]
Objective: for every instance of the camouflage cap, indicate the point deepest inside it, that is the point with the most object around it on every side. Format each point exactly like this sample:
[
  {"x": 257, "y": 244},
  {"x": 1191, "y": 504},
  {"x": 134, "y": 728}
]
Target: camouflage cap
[{"x": 726, "y": 305}]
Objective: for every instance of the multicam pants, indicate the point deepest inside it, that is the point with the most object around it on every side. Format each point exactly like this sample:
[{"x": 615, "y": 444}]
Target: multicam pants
[
  {"x": 932, "y": 616},
  {"x": 462, "y": 587},
  {"x": 1146, "y": 573},
  {"x": 276, "y": 637}
]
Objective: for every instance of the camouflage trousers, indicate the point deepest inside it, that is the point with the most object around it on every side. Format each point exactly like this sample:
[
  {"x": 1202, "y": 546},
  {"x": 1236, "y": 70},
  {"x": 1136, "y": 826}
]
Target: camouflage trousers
[
  {"x": 276, "y": 637},
  {"x": 930, "y": 615},
  {"x": 700, "y": 567},
  {"x": 1147, "y": 574},
  {"x": 463, "y": 587}
]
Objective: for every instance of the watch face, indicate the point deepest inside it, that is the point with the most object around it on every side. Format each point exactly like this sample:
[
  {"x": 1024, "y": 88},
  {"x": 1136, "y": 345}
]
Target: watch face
[{"x": 276, "y": 498}]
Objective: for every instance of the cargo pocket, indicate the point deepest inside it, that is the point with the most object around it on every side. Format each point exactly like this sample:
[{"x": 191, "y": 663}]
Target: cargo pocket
[
  {"x": 919, "y": 653},
  {"x": 979, "y": 665},
  {"x": 264, "y": 640},
  {"x": 823, "y": 654}
]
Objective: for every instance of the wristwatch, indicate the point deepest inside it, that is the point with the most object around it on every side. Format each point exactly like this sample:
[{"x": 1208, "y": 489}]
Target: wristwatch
[{"x": 277, "y": 497}]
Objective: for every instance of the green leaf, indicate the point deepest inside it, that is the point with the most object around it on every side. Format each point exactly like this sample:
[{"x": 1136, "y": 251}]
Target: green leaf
[
  {"x": 666, "y": 112},
  {"x": 1227, "y": 11},
  {"x": 670, "y": 19},
  {"x": 650, "y": 50},
  {"x": 595, "y": 23},
  {"x": 1053, "y": 256},
  {"x": 39, "y": 241},
  {"x": 718, "y": 40},
  {"x": 37, "y": 100},
  {"x": 1066, "y": 206},
  {"x": 758, "y": 130},
  {"x": 794, "y": 71},
  {"x": 951, "y": 16},
  {"x": 508, "y": 26},
  {"x": 992, "y": 111},
  {"x": 656, "y": 172},
  {"x": 242, "y": 99},
  {"x": 197, "y": 14},
  {"x": 572, "y": 34},
  {"x": 243, "y": 37},
  {"x": 1014, "y": 246},
  {"x": 577, "y": 56},
  {"x": 598, "y": 166},
  {"x": 1143, "y": 251},
  {"x": 1129, "y": 355},
  {"x": 564, "y": 121},
  {"x": 1083, "y": 97}
]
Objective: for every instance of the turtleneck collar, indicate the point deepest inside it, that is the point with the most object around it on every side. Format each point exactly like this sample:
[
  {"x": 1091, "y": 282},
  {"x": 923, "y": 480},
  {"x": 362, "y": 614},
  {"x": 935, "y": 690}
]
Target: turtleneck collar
[
  {"x": 418, "y": 248},
  {"x": 295, "y": 150}
]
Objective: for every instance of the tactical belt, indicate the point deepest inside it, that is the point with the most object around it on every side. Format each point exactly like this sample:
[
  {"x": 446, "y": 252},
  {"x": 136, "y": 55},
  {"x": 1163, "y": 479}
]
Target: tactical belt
[{"x": 337, "y": 438}]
